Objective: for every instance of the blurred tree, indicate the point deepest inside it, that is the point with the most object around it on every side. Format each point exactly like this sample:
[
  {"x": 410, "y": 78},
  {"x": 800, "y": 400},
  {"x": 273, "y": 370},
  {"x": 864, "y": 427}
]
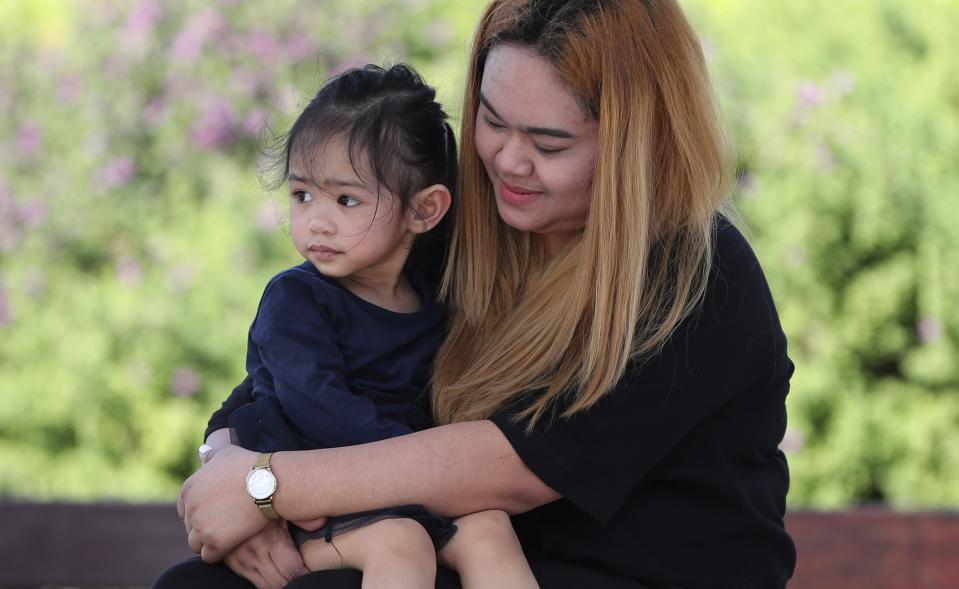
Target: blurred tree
[{"x": 135, "y": 240}]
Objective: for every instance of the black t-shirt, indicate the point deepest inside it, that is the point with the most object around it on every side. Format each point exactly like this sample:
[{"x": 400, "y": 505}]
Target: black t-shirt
[{"x": 675, "y": 478}]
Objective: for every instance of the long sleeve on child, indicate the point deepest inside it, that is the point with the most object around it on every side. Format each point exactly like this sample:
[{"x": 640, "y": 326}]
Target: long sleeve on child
[{"x": 295, "y": 357}]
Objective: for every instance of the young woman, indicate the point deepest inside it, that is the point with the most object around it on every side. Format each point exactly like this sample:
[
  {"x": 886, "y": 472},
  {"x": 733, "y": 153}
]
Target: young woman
[{"x": 615, "y": 373}]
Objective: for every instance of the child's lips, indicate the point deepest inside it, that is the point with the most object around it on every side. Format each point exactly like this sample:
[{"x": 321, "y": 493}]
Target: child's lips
[
  {"x": 322, "y": 249},
  {"x": 323, "y": 252}
]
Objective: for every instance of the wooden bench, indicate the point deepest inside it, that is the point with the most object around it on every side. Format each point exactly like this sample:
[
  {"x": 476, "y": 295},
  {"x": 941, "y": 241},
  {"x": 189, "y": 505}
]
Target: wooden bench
[{"x": 122, "y": 545}]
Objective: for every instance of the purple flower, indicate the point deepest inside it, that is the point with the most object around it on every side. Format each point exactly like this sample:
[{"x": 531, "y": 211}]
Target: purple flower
[
  {"x": 33, "y": 213},
  {"x": 6, "y": 94},
  {"x": 114, "y": 67},
  {"x": 34, "y": 283},
  {"x": 69, "y": 89},
  {"x": 256, "y": 121},
  {"x": 29, "y": 140},
  {"x": 154, "y": 112},
  {"x": 216, "y": 127},
  {"x": 117, "y": 172},
  {"x": 299, "y": 47},
  {"x": 264, "y": 46},
  {"x": 9, "y": 236},
  {"x": 190, "y": 42},
  {"x": 810, "y": 95},
  {"x": 185, "y": 382},
  {"x": 129, "y": 271},
  {"x": 6, "y": 313},
  {"x": 929, "y": 330},
  {"x": 10, "y": 230},
  {"x": 139, "y": 26}
]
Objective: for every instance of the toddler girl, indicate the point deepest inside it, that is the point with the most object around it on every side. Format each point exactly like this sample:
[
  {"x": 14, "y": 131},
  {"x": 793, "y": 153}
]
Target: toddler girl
[{"x": 341, "y": 346}]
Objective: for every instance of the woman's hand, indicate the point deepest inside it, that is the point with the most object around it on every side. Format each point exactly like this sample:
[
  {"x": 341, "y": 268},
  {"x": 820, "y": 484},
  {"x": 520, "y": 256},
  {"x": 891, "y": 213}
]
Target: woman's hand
[
  {"x": 214, "y": 506},
  {"x": 269, "y": 559}
]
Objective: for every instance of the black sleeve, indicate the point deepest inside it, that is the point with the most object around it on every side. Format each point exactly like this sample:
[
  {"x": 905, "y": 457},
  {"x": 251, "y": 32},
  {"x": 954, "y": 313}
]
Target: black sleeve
[
  {"x": 731, "y": 350},
  {"x": 241, "y": 395}
]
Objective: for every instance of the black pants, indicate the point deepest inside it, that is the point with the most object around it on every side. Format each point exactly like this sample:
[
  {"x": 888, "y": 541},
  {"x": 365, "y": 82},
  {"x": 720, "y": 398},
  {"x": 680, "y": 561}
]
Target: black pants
[{"x": 195, "y": 574}]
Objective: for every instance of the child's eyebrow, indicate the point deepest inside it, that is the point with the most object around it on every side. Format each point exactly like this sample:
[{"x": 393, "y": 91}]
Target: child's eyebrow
[
  {"x": 549, "y": 132},
  {"x": 328, "y": 181}
]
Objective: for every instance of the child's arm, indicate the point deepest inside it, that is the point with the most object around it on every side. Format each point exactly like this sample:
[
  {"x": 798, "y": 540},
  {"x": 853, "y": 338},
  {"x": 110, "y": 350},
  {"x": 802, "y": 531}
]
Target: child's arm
[
  {"x": 293, "y": 339},
  {"x": 486, "y": 553}
]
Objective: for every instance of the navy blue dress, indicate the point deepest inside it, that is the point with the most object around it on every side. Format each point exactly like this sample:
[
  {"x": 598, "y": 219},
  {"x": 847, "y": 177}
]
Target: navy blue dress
[{"x": 330, "y": 369}]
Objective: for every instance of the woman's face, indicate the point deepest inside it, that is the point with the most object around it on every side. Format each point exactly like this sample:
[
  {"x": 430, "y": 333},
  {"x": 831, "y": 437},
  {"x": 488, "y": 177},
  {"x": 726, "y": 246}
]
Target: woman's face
[{"x": 537, "y": 144}]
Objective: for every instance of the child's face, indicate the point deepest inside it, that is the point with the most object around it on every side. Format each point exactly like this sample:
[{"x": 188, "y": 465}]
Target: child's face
[{"x": 338, "y": 222}]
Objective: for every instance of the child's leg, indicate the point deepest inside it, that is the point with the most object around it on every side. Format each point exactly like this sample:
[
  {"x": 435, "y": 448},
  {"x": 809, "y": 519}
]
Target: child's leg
[
  {"x": 486, "y": 553},
  {"x": 395, "y": 553}
]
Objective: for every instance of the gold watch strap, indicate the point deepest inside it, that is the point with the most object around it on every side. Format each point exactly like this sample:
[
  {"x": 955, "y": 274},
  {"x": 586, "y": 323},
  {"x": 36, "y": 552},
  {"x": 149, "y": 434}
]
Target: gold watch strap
[
  {"x": 266, "y": 508},
  {"x": 266, "y": 505}
]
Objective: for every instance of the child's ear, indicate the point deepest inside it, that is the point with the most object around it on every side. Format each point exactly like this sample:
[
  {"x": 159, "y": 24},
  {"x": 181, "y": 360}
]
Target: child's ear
[{"x": 428, "y": 207}]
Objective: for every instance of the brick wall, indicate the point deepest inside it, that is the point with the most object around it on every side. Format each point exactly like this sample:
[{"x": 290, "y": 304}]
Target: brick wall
[{"x": 875, "y": 548}]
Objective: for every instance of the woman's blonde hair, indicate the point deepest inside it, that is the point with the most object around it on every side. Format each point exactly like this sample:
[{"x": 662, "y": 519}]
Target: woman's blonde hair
[{"x": 557, "y": 334}]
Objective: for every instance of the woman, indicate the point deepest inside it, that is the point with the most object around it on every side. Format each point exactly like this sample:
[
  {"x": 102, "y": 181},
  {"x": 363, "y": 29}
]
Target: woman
[{"x": 615, "y": 372}]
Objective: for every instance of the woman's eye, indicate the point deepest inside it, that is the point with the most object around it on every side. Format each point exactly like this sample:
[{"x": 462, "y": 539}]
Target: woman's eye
[
  {"x": 549, "y": 150},
  {"x": 302, "y": 196},
  {"x": 347, "y": 200},
  {"x": 493, "y": 124}
]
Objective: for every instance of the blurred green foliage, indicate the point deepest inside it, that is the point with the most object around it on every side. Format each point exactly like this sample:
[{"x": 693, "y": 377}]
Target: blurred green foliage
[{"x": 135, "y": 239}]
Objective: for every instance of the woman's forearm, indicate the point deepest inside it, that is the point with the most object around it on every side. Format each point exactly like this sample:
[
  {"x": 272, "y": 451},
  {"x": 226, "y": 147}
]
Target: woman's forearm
[{"x": 451, "y": 470}]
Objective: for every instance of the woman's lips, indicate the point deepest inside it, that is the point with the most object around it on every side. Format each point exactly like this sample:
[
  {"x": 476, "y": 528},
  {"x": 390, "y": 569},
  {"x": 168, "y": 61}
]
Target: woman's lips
[{"x": 517, "y": 196}]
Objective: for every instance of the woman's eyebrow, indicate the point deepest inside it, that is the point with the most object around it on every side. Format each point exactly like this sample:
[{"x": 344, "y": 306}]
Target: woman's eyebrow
[{"x": 550, "y": 132}]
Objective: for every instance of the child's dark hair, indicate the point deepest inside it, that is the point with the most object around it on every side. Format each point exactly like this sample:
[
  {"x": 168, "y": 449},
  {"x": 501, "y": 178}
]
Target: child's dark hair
[{"x": 391, "y": 120}]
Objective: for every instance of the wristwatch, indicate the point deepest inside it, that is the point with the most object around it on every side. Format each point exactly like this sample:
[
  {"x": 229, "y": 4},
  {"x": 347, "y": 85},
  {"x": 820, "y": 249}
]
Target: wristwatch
[{"x": 261, "y": 484}]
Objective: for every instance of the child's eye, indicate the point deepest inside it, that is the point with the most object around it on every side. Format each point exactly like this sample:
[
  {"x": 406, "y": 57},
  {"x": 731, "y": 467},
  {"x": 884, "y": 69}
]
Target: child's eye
[
  {"x": 302, "y": 196},
  {"x": 347, "y": 200}
]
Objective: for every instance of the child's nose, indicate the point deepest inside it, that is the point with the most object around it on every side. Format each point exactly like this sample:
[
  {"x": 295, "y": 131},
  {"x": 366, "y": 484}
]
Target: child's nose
[{"x": 320, "y": 223}]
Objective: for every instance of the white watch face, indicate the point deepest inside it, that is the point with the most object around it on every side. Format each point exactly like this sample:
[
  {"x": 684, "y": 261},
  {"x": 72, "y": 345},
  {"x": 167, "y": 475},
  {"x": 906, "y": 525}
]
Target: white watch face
[{"x": 260, "y": 483}]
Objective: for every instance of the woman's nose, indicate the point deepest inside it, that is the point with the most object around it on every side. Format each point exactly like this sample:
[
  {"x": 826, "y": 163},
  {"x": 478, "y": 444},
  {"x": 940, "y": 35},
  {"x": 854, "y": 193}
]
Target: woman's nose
[{"x": 513, "y": 159}]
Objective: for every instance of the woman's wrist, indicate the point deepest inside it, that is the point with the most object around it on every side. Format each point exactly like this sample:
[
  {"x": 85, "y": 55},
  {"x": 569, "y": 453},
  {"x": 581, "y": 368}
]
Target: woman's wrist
[{"x": 282, "y": 465}]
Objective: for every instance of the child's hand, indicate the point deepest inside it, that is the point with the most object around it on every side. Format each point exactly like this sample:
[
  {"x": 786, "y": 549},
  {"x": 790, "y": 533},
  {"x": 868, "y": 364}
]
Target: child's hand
[
  {"x": 269, "y": 559},
  {"x": 216, "y": 440},
  {"x": 311, "y": 525}
]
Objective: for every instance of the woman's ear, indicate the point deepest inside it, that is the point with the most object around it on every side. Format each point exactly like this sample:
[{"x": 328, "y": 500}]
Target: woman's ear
[{"x": 428, "y": 207}]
